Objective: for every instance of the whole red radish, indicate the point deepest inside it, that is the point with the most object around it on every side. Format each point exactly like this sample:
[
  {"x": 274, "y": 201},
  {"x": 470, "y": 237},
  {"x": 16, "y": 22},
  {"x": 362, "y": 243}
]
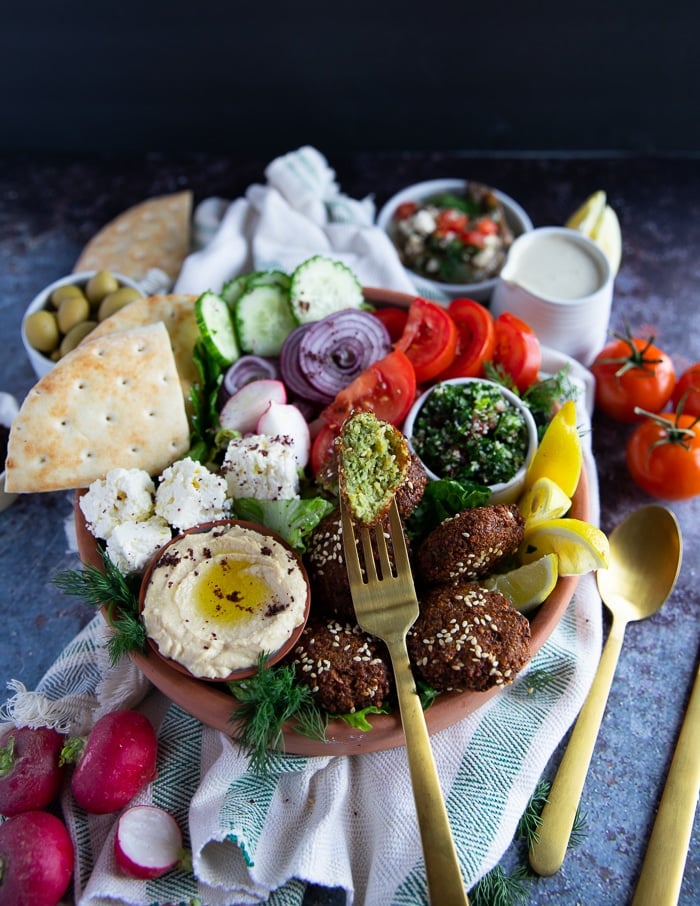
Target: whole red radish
[
  {"x": 30, "y": 774},
  {"x": 148, "y": 842},
  {"x": 36, "y": 860},
  {"x": 118, "y": 761}
]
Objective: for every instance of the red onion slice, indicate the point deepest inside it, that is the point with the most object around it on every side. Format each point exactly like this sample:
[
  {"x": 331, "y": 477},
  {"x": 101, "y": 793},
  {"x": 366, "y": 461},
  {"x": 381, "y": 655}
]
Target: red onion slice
[
  {"x": 246, "y": 369},
  {"x": 290, "y": 372},
  {"x": 336, "y": 349}
]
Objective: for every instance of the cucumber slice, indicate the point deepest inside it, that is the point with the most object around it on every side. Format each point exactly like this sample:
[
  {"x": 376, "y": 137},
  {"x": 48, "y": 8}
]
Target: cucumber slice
[
  {"x": 263, "y": 319},
  {"x": 215, "y": 325},
  {"x": 321, "y": 286},
  {"x": 269, "y": 278},
  {"x": 233, "y": 289}
]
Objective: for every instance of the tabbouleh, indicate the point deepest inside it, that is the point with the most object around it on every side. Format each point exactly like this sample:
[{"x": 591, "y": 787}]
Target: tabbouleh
[{"x": 470, "y": 433}]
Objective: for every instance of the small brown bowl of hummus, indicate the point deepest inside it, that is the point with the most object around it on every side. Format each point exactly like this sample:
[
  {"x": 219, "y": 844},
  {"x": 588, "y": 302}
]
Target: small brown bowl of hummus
[{"x": 220, "y": 595}]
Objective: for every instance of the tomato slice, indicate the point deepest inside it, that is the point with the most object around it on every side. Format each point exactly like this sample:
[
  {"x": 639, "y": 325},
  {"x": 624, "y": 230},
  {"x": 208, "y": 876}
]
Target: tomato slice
[
  {"x": 394, "y": 319},
  {"x": 388, "y": 388},
  {"x": 476, "y": 339},
  {"x": 517, "y": 350},
  {"x": 322, "y": 447},
  {"x": 429, "y": 339}
]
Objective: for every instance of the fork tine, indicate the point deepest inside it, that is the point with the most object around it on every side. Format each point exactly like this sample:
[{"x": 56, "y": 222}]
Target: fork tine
[
  {"x": 398, "y": 542},
  {"x": 383, "y": 551},
  {"x": 368, "y": 554},
  {"x": 352, "y": 560}
]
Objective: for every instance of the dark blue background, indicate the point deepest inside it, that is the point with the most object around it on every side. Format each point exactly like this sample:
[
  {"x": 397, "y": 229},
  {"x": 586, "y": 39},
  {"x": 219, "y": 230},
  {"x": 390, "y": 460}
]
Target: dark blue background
[{"x": 381, "y": 75}]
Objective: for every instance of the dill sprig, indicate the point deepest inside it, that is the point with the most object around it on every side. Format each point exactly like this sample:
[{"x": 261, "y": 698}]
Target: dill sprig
[
  {"x": 266, "y": 701},
  {"x": 498, "y": 888},
  {"x": 501, "y": 888},
  {"x": 118, "y": 594}
]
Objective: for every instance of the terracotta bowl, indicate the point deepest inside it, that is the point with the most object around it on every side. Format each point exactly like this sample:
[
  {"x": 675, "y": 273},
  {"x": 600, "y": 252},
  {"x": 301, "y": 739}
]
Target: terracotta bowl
[
  {"x": 214, "y": 706},
  {"x": 275, "y": 656}
]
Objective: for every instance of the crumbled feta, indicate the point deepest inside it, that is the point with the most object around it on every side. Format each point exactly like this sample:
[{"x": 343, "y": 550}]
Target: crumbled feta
[
  {"x": 132, "y": 544},
  {"x": 189, "y": 494},
  {"x": 261, "y": 466},
  {"x": 123, "y": 495}
]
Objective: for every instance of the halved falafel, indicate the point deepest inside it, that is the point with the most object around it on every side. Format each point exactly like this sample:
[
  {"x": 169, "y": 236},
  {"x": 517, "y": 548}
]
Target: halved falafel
[{"x": 467, "y": 638}]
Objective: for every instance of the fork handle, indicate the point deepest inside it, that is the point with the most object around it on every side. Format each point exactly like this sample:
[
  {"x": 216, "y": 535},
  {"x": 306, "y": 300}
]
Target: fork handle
[{"x": 445, "y": 882}]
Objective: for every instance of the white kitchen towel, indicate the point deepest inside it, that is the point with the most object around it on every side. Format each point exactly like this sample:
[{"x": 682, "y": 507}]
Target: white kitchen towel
[
  {"x": 299, "y": 212},
  {"x": 337, "y": 820}
]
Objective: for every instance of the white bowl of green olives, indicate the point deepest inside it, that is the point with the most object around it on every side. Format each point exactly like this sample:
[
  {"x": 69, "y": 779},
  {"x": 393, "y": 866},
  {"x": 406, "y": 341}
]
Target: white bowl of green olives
[{"x": 65, "y": 312}]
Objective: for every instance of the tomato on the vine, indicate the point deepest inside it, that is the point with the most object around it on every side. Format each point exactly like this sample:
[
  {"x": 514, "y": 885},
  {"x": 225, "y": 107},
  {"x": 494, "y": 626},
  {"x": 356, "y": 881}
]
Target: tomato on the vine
[
  {"x": 517, "y": 350},
  {"x": 429, "y": 339},
  {"x": 476, "y": 339},
  {"x": 663, "y": 455},
  {"x": 687, "y": 389},
  {"x": 632, "y": 372}
]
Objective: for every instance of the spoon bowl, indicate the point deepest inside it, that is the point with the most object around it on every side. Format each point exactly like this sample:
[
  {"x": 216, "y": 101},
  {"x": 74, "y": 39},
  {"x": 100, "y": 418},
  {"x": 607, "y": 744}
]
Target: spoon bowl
[{"x": 645, "y": 558}]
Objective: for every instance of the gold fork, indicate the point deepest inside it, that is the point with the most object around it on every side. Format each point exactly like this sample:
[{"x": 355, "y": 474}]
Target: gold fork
[{"x": 386, "y": 606}]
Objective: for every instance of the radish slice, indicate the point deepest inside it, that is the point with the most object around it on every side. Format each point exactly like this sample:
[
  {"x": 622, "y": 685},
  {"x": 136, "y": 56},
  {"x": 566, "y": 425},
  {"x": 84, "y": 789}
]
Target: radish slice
[
  {"x": 242, "y": 411},
  {"x": 148, "y": 842},
  {"x": 286, "y": 420}
]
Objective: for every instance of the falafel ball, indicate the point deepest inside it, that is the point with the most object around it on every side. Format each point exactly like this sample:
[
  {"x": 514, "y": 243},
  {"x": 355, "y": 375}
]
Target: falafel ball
[
  {"x": 468, "y": 638},
  {"x": 471, "y": 544},
  {"x": 345, "y": 668},
  {"x": 325, "y": 564}
]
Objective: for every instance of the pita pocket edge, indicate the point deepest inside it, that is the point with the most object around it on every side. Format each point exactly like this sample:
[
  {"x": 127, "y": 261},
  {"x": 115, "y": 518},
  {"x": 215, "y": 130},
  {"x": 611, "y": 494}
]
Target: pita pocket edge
[{"x": 113, "y": 402}]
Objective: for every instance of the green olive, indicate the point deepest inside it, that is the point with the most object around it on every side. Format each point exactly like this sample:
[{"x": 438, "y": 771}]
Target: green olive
[
  {"x": 69, "y": 291},
  {"x": 41, "y": 330},
  {"x": 99, "y": 286},
  {"x": 116, "y": 300},
  {"x": 72, "y": 311},
  {"x": 74, "y": 336}
]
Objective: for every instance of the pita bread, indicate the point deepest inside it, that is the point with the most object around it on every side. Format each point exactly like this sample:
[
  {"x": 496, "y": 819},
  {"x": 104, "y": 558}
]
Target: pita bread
[
  {"x": 177, "y": 313},
  {"x": 152, "y": 234},
  {"x": 112, "y": 402}
]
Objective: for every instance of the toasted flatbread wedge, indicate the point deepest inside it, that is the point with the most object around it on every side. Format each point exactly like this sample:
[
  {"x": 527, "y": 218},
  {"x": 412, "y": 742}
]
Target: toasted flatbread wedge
[
  {"x": 115, "y": 401},
  {"x": 176, "y": 311},
  {"x": 153, "y": 234}
]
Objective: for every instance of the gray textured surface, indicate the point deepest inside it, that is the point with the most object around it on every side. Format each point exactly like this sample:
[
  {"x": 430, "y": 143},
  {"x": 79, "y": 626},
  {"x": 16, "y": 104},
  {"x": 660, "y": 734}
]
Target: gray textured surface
[{"x": 50, "y": 207}]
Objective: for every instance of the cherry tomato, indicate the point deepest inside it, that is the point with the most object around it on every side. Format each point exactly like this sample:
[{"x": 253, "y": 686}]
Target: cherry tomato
[
  {"x": 394, "y": 319},
  {"x": 473, "y": 237},
  {"x": 630, "y": 372},
  {"x": 429, "y": 339},
  {"x": 688, "y": 389},
  {"x": 487, "y": 226},
  {"x": 517, "y": 350},
  {"x": 388, "y": 388},
  {"x": 407, "y": 209},
  {"x": 476, "y": 338},
  {"x": 450, "y": 221},
  {"x": 663, "y": 455}
]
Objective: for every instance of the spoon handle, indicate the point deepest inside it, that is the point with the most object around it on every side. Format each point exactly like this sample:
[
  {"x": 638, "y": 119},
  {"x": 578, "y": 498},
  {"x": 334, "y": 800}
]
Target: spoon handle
[
  {"x": 662, "y": 872},
  {"x": 549, "y": 848}
]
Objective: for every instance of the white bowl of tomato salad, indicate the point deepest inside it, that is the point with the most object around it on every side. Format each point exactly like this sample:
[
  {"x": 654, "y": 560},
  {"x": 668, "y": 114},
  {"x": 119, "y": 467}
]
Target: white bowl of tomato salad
[{"x": 453, "y": 235}]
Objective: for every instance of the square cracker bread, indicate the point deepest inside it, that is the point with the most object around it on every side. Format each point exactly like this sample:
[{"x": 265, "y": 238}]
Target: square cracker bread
[
  {"x": 152, "y": 234},
  {"x": 112, "y": 402},
  {"x": 176, "y": 311}
]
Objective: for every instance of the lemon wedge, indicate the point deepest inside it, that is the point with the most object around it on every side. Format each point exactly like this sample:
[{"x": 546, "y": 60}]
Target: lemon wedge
[
  {"x": 587, "y": 215},
  {"x": 559, "y": 456},
  {"x": 597, "y": 220},
  {"x": 608, "y": 235},
  {"x": 545, "y": 500},
  {"x": 527, "y": 586},
  {"x": 580, "y": 547}
]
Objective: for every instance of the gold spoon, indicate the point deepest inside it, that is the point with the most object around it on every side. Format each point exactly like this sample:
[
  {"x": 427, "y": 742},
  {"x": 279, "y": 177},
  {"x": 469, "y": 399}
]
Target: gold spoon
[{"x": 645, "y": 559}]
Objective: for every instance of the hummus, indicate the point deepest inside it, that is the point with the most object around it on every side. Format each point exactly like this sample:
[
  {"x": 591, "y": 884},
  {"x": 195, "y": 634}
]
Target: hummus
[{"x": 216, "y": 599}]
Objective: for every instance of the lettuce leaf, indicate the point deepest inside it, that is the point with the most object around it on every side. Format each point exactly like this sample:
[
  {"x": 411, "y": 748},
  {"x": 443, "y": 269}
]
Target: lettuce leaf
[{"x": 292, "y": 519}]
